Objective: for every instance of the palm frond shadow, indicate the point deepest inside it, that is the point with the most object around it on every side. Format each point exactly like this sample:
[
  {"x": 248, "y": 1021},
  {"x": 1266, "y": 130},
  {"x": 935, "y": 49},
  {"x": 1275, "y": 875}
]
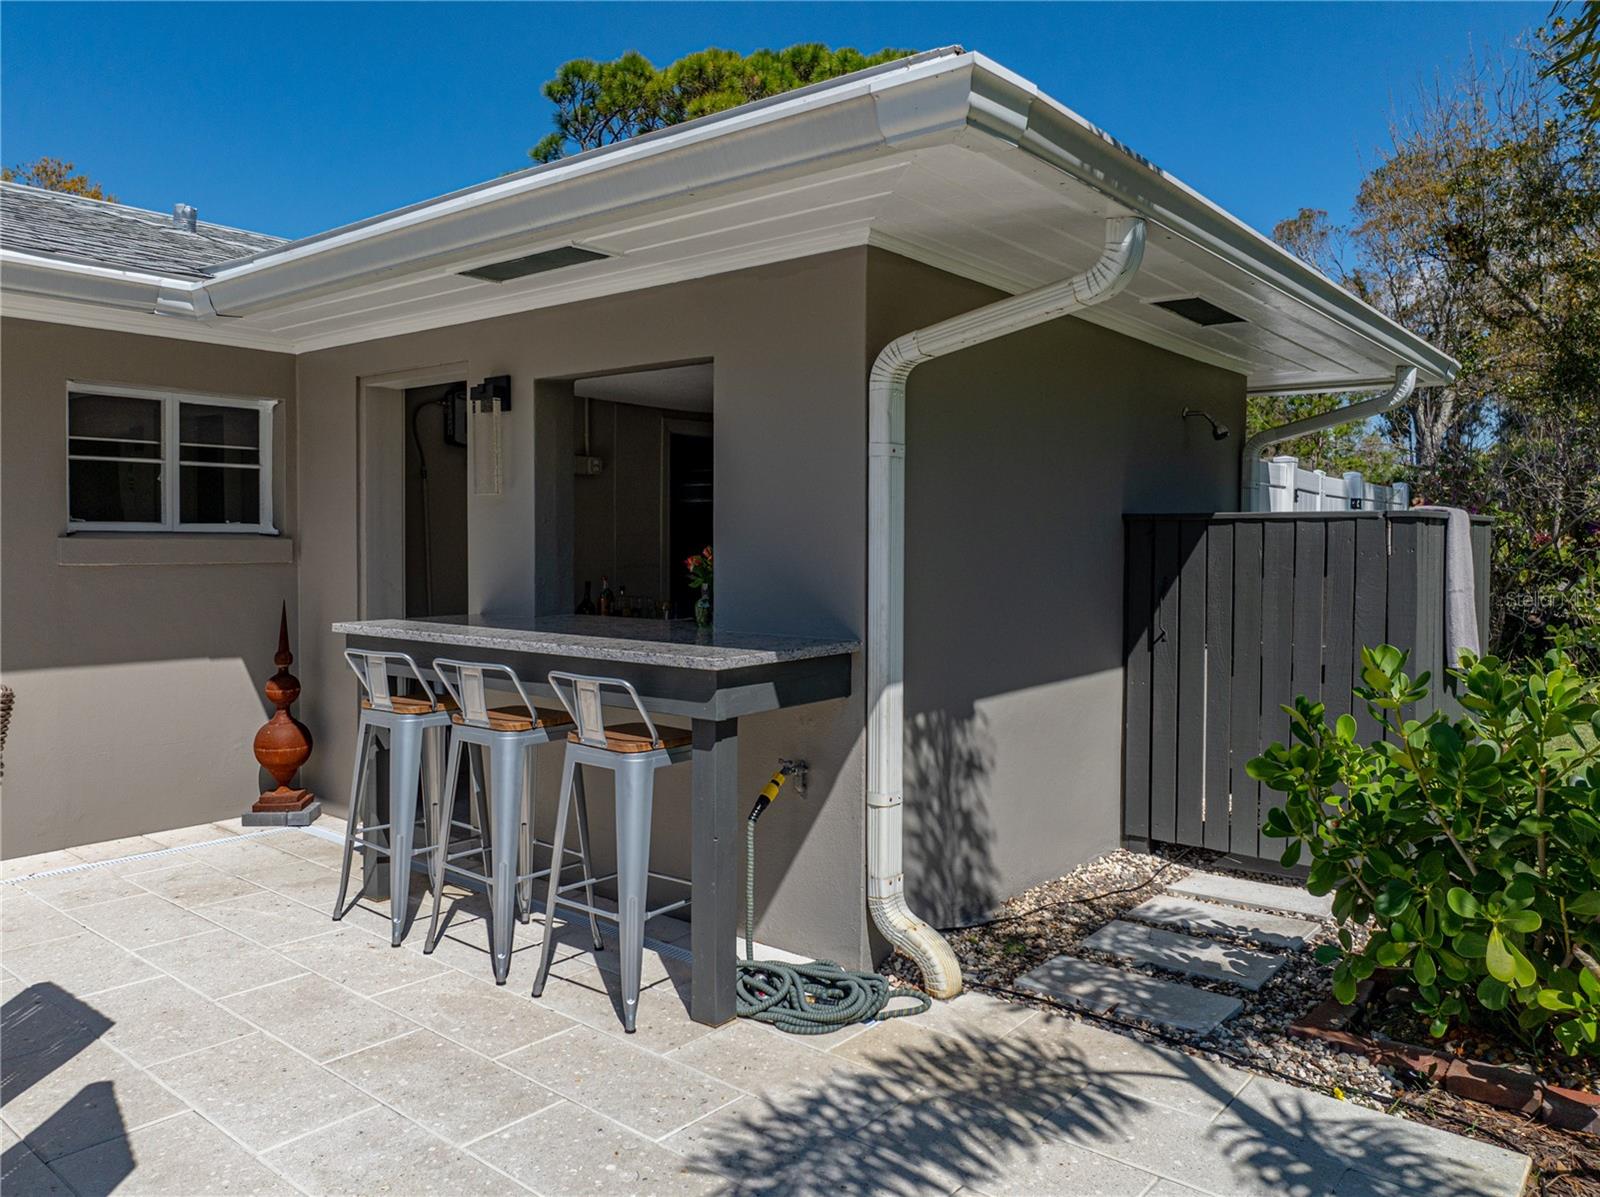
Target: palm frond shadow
[{"x": 1034, "y": 1112}]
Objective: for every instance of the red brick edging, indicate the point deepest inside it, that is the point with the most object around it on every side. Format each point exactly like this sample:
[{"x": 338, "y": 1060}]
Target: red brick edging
[{"x": 1504, "y": 1088}]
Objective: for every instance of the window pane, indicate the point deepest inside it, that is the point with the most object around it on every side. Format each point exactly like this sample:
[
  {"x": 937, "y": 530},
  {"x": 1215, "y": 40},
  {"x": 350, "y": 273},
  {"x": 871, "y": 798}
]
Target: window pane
[
  {"x": 83, "y": 447},
  {"x": 217, "y": 495},
  {"x": 114, "y": 417},
  {"x": 202, "y": 424},
  {"x": 218, "y": 455},
  {"x": 116, "y": 491}
]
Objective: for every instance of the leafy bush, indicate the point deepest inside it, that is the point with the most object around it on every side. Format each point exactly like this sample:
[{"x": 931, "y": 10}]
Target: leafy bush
[{"x": 1472, "y": 845}]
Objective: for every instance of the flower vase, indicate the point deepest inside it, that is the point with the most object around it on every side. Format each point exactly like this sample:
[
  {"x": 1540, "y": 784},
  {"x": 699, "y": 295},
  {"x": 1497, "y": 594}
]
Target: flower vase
[{"x": 702, "y": 608}]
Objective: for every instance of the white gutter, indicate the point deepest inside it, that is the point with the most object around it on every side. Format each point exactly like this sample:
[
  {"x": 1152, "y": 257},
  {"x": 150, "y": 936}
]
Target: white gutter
[
  {"x": 36, "y": 274},
  {"x": 1405, "y": 382},
  {"x": 943, "y": 97},
  {"x": 1055, "y": 134},
  {"x": 886, "y": 516}
]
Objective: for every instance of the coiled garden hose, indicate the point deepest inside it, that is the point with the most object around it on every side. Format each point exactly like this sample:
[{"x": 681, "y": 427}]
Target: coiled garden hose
[{"x": 805, "y": 999}]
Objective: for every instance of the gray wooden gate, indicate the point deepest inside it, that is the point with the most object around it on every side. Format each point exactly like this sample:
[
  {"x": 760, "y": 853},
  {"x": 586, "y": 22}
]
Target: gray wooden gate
[{"x": 1228, "y": 617}]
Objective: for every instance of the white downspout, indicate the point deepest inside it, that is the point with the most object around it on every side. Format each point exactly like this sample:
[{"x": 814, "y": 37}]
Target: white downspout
[
  {"x": 886, "y": 510},
  {"x": 1405, "y": 381}
]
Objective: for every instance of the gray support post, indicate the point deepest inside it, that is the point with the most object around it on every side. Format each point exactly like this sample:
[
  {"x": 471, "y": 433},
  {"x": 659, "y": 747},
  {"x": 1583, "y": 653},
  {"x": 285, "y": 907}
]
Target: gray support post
[{"x": 715, "y": 869}]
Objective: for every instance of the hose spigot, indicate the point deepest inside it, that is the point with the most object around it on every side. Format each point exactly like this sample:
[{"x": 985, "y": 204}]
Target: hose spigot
[{"x": 799, "y": 770}]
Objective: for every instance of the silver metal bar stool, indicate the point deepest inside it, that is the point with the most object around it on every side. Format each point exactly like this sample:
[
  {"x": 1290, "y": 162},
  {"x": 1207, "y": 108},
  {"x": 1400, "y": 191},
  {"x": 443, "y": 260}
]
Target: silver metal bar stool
[
  {"x": 415, "y": 730},
  {"x": 510, "y": 733},
  {"x": 633, "y": 752}
]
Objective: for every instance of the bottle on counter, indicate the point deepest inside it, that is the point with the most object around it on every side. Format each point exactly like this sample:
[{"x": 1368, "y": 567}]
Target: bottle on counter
[
  {"x": 619, "y": 605},
  {"x": 586, "y": 603},
  {"x": 607, "y": 603}
]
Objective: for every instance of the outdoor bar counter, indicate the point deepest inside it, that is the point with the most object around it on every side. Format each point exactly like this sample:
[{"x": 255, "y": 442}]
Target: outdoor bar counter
[{"x": 710, "y": 677}]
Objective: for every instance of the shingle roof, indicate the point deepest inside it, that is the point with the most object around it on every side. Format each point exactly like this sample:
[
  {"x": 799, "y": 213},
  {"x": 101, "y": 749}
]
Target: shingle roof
[{"x": 33, "y": 220}]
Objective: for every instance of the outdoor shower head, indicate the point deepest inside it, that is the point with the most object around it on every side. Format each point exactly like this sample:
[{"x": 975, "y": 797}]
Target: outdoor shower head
[{"x": 1219, "y": 432}]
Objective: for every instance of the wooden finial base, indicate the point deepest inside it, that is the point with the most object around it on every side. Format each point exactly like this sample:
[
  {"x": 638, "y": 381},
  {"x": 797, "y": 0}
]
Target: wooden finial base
[
  {"x": 283, "y": 799},
  {"x": 282, "y": 746}
]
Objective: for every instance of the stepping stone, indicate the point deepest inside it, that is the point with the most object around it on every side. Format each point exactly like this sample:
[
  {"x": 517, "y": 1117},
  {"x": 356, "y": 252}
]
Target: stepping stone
[
  {"x": 1241, "y": 891},
  {"x": 1087, "y": 985},
  {"x": 1176, "y": 952},
  {"x": 1234, "y": 922}
]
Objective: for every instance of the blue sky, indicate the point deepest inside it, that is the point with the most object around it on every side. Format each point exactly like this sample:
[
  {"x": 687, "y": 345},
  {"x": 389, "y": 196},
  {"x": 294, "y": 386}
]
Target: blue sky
[{"x": 294, "y": 118}]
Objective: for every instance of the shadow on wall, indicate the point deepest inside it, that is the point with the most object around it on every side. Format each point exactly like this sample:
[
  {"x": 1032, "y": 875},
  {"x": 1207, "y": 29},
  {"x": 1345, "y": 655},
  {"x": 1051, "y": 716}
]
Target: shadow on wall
[
  {"x": 1052, "y": 1107},
  {"x": 42, "y": 1030},
  {"x": 949, "y": 759}
]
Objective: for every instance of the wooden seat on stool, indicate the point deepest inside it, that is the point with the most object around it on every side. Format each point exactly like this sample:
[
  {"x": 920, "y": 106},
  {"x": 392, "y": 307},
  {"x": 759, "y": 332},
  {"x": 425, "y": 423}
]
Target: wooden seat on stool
[
  {"x": 413, "y": 706},
  {"x": 635, "y": 737},
  {"x": 519, "y": 719}
]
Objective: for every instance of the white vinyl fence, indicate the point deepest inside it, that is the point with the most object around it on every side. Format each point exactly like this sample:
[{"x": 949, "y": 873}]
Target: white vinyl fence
[{"x": 1279, "y": 484}]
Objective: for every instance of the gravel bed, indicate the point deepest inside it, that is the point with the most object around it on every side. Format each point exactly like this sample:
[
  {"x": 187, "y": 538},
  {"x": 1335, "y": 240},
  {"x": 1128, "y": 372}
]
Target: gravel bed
[{"x": 1055, "y": 917}]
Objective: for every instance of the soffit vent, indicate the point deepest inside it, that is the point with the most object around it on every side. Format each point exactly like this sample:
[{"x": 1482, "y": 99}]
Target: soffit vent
[
  {"x": 550, "y": 259},
  {"x": 1201, "y": 311}
]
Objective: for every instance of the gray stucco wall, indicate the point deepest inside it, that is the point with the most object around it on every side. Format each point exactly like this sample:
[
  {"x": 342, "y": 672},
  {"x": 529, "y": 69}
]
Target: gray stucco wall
[
  {"x": 137, "y": 677},
  {"x": 787, "y": 345},
  {"x": 1022, "y": 456}
]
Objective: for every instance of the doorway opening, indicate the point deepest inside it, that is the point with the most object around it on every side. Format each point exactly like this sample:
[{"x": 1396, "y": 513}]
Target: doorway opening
[
  {"x": 643, "y": 490},
  {"x": 436, "y": 500}
]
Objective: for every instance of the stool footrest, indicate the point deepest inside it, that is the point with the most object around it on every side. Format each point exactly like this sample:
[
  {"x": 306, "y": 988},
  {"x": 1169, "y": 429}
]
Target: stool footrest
[
  {"x": 584, "y": 882},
  {"x": 384, "y": 849},
  {"x": 564, "y": 851},
  {"x": 598, "y": 912},
  {"x": 483, "y": 877}
]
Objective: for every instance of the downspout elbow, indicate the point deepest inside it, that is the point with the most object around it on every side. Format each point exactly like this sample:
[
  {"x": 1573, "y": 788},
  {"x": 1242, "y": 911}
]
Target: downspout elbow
[{"x": 1405, "y": 382}]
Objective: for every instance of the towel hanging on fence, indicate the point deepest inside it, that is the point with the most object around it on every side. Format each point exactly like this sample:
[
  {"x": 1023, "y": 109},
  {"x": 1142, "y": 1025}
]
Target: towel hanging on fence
[{"x": 1460, "y": 585}]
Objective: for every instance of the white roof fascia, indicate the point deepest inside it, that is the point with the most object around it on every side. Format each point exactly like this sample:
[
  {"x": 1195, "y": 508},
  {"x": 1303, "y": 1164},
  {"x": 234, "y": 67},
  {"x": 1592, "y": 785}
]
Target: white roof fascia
[
  {"x": 39, "y": 287},
  {"x": 18, "y": 306},
  {"x": 36, "y": 274},
  {"x": 1017, "y": 112},
  {"x": 825, "y": 127},
  {"x": 947, "y": 96}
]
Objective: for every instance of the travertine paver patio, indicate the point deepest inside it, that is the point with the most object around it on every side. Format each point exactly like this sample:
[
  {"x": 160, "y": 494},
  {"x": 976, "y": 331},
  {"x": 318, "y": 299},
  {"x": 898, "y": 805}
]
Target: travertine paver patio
[{"x": 193, "y": 1023}]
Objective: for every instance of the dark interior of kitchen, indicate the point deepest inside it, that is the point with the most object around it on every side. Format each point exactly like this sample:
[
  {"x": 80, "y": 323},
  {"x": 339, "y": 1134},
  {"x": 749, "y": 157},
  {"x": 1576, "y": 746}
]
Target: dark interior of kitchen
[{"x": 642, "y": 495}]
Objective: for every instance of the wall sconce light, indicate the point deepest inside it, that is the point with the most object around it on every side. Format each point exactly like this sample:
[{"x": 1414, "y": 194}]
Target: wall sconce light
[{"x": 489, "y": 400}]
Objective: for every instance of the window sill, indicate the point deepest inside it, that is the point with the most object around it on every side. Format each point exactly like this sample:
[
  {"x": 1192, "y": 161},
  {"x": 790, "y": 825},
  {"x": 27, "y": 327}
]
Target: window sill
[{"x": 172, "y": 548}]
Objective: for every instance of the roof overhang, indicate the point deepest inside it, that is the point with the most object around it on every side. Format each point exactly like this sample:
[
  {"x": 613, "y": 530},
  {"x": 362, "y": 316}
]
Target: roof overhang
[{"x": 946, "y": 157}]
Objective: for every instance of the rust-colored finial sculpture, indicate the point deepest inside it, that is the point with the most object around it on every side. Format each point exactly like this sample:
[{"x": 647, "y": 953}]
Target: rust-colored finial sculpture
[{"x": 282, "y": 746}]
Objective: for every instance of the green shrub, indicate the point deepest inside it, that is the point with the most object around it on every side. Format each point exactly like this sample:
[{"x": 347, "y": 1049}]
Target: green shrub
[{"x": 1471, "y": 845}]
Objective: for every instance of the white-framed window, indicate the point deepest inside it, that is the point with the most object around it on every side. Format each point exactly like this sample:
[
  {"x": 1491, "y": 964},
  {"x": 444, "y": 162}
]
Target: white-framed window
[{"x": 141, "y": 460}]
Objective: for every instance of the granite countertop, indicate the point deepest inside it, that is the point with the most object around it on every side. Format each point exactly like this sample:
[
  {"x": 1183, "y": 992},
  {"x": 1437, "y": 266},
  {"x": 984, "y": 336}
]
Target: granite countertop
[{"x": 675, "y": 643}]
